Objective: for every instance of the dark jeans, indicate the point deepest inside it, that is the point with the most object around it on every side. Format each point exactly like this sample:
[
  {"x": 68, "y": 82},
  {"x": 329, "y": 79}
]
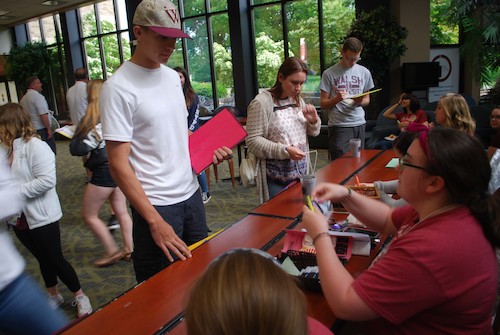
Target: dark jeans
[
  {"x": 45, "y": 244},
  {"x": 383, "y": 145},
  {"x": 338, "y": 139},
  {"x": 187, "y": 218},
  {"x": 50, "y": 141}
]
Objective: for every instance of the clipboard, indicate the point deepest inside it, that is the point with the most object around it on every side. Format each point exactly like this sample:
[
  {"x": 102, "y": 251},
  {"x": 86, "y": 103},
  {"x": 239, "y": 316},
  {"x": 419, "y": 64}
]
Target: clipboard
[
  {"x": 365, "y": 93},
  {"x": 67, "y": 131},
  {"x": 221, "y": 130}
]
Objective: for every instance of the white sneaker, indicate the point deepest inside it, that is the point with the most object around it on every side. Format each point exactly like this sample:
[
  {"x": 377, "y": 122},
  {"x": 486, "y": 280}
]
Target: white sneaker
[
  {"x": 205, "y": 197},
  {"x": 82, "y": 304},
  {"x": 55, "y": 301}
]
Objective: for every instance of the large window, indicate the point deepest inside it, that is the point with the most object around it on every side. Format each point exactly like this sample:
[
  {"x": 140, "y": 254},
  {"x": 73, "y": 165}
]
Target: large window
[
  {"x": 105, "y": 37},
  {"x": 207, "y": 55},
  {"x": 312, "y": 30},
  {"x": 48, "y": 31}
]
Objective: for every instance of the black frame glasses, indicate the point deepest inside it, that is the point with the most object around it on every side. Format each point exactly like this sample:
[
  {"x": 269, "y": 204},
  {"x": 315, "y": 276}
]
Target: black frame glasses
[{"x": 402, "y": 163}]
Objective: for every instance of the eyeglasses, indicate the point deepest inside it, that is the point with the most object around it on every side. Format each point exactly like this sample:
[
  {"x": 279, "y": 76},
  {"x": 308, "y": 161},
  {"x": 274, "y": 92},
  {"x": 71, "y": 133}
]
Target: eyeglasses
[
  {"x": 402, "y": 164},
  {"x": 495, "y": 117}
]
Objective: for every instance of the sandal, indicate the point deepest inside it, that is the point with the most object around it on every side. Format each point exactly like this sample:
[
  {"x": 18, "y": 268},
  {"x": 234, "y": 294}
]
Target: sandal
[
  {"x": 127, "y": 256},
  {"x": 108, "y": 260}
]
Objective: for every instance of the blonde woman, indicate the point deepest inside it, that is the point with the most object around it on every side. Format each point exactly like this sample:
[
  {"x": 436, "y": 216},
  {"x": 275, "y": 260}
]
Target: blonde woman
[
  {"x": 33, "y": 163},
  {"x": 452, "y": 111},
  {"x": 246, "y": 292},
  {"x": 88, "y": 140}
]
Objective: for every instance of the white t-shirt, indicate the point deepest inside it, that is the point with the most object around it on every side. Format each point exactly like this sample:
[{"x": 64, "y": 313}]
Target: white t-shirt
[
  {"x": 354, "y": 80},
  {"x": 146, "y": 107},
  {"x": 36, "y": 104},
  {"x": 76, "y": 97}
]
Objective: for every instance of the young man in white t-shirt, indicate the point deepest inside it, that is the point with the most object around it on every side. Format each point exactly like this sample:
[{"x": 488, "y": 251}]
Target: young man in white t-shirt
[
  {"x": 144, "y": 115},
  {"x": 346, "y": 116}
]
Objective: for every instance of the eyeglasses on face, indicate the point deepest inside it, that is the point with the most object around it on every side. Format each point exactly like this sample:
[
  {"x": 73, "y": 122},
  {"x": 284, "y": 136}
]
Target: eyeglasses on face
[
  {"x": 495, "y": 117},
  {"x": 402, "y": 164}
]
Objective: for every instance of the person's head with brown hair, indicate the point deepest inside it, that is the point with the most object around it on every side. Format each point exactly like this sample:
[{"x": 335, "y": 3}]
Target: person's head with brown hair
[
  {"x": 15, "y": 122},
  {"x": 452, "y": 111},
  {"x": 410, "y": 103},
  {"x": 246, "y": 292},
  {"x": 187, "y": 88},
  {"x": 351, "y": 52},
  {"x": 292, "y": 74},
  {"x": 93, "y": 116},
  {"x": 34, "y": 83}
]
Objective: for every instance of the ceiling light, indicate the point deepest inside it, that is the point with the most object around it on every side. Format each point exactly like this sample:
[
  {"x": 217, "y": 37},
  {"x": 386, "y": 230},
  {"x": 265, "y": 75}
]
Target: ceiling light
[
  {"x": 3, "y": 12},
  {"x": 53, "y": 3}
]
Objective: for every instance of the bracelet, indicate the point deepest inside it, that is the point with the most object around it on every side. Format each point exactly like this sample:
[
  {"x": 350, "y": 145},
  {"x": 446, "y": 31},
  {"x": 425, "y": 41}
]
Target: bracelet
[{"x": 320, "y": 235}]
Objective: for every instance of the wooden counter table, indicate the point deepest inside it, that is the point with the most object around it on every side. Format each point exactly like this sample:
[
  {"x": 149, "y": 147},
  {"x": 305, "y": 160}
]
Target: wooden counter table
[
  {"x": 156, "y": 305},
  {"x": 377, "y": 170},
  {"x": 289, "y": 204}
]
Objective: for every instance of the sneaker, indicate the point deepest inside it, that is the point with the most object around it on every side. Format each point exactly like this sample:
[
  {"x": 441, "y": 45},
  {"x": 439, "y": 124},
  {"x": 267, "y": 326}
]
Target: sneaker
[
  {"x": 205, "y": 197},
  {"x": 113, "y": 223},
  {"x": 82, "y": 304},
  {"x": 55, "y": 301}
]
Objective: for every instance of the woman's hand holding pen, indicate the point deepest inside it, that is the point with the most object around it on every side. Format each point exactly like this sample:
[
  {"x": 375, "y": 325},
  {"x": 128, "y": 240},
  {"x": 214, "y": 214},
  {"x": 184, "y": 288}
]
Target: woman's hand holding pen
[
  {"x": 310, "y": 113},
  {"x": 295, "y": 153},
  {"x": 314, "y": 222},
  {"x": 329, "y": 191}
]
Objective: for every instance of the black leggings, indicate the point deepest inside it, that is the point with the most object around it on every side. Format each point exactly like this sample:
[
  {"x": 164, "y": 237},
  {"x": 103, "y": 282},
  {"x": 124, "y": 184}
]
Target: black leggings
[{"x": 45, "y": 244}]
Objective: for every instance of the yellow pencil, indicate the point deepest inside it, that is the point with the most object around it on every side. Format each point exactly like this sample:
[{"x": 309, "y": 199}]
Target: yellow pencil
[
  {"x": 309, "y": 203},
  {"x": 199, "y": 243}
]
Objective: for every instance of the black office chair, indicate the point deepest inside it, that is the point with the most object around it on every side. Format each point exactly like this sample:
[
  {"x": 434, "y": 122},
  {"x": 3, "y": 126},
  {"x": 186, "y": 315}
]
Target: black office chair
[{"x": 233, "y": 110}]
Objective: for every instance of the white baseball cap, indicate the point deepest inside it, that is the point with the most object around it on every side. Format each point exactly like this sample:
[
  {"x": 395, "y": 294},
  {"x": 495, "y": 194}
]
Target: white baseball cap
[{"x": 161, "y": 16}]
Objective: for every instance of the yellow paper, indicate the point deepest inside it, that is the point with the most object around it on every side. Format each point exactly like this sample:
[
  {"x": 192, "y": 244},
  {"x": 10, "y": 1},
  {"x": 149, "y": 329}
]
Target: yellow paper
[{"x": 363, "y": 94}]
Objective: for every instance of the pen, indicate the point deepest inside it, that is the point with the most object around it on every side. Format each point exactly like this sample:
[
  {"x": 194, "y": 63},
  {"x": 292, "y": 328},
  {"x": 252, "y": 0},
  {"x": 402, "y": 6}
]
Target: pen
[
  {"x": 309, "y": 203},
  {"x": 357, "y": 180}
]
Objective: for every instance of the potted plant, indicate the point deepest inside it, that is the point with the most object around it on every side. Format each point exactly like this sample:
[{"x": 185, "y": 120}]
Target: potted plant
[
  {"x": 30, "y": 59},
  {"x": 384, "y": 40}
]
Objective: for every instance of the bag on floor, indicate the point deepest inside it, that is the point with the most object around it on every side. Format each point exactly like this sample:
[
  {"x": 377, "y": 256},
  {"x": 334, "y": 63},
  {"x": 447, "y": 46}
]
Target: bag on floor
[{"x": 247, "y": 172}]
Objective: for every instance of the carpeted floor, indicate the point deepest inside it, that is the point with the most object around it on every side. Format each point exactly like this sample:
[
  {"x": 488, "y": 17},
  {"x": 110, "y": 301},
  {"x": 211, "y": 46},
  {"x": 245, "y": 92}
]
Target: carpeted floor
[{"x": 227, "y": 206}]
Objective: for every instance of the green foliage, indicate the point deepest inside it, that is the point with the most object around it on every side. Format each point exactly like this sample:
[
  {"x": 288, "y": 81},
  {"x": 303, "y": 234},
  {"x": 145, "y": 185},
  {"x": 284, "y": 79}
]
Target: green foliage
[
  {"x": 200, "y": 88},
  {"x": 205, "y": 89},
  {"x": 338, "y": 17},
  {"x": 312, "y": 83},
  {"x": 223, "y": 66},
  {"x": 111, "y": 50},
  {"x": 269, "y": 58},
  {"x": 31, "y": 59},
  {"x": 442, "y": 31},
  {"x": 383, "y": 39},
  {"x": 480, "y": 21}
]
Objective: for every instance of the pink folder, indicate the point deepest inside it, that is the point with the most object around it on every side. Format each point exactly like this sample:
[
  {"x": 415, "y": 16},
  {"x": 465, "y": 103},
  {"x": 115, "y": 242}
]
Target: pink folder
[{"x": 221, "y": 130}]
